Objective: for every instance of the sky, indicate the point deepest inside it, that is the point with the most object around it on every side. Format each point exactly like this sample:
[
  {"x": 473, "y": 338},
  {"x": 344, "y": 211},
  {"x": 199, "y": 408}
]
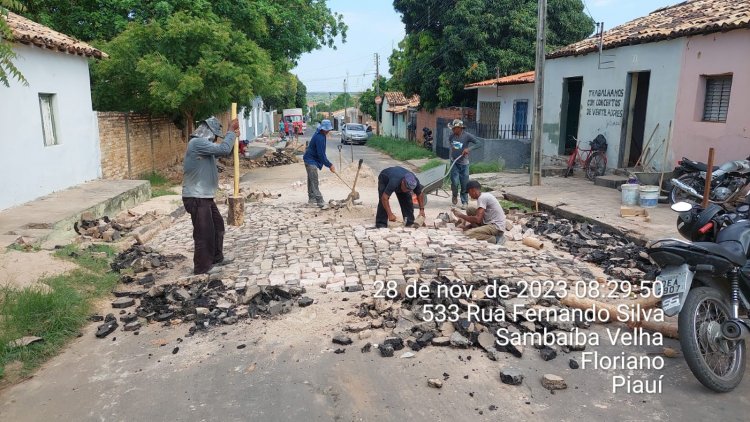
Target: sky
[{"x": 375, "y": 27}]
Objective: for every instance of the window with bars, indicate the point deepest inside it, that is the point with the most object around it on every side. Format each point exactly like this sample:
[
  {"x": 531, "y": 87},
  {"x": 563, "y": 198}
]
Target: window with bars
[
  {"x": 716, "y": 103},
  {"x": 47, "y": 110}
]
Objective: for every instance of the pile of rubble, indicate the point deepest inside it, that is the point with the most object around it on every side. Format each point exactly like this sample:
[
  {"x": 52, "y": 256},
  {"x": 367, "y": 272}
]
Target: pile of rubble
[
  {"x": 204, "y": 300},
  {"x": 139, "y": 258},
  {"x": 614, "y": 253},
  {"x": 110, "y": 230}
]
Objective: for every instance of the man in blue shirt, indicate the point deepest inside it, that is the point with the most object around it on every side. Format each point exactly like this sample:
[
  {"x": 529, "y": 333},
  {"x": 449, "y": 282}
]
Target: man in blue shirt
[
  {"x": 200, "y": 181},
  {"x": 402, "y": 182},
  {"x": 315, "y": 158}
]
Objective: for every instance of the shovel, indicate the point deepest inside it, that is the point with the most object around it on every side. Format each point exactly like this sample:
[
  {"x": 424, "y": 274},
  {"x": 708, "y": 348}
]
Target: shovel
[{"x": 354, "y": 194}]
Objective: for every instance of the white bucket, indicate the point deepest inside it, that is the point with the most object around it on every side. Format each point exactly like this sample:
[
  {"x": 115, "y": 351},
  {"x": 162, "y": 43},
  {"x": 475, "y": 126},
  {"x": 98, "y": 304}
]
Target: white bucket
[
  {"x": 649, "y": 196},
  {"x": 629, "y": 194}
]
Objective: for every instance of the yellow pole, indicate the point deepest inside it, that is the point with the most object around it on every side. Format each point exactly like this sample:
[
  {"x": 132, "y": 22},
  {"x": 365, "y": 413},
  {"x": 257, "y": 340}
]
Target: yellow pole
[{"x": 236, "y": 156}]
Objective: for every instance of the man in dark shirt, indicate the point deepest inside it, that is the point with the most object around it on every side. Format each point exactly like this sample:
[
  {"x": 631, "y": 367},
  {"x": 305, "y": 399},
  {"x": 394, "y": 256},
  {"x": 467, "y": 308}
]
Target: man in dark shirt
[
  {"x": 461, "y": 144},
  {"x": 402, "y": 182},
  {"x": 315, "y": 158}
]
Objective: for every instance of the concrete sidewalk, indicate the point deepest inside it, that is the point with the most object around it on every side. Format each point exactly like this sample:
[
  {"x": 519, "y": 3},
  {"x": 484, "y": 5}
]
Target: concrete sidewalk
[
  {"x": 578, "y": 198},
  {"x": 52, "y": 216}
]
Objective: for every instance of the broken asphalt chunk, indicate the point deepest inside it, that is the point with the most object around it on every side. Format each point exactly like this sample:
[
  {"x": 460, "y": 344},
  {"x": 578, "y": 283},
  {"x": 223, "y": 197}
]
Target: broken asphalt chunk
[
  {"x": 511, "y": 376},
  {"x": 123, "y": 302},
  {"x": 106, "y": 329},
  {"x": 342, "y": 340}
]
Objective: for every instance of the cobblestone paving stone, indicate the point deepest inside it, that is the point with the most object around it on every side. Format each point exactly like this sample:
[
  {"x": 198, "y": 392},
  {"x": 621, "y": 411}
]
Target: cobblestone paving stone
[{"x": 292, "y": 245}]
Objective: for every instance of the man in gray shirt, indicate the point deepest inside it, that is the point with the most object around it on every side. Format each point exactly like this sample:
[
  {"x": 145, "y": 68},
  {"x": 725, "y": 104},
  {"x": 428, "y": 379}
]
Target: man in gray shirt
[
  {"x": 485, "y": 222},
  {"x": 460, "y": 143},
  {"x": 200, "y": 182}
]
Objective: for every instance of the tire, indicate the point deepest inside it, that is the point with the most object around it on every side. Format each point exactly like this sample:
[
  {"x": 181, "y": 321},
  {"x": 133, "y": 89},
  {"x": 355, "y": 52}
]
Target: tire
[
  {"x": 690, "y": 330},
  {"x": 596, "y": 165},
  {"x": 677, "y": 195}
]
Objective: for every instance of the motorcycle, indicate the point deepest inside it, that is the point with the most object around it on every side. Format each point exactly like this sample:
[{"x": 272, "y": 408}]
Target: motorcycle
[
  {"x": 730, "y": 184},
  {"x": 427, "y": 136},
  {"x": 706, "y": 282}
]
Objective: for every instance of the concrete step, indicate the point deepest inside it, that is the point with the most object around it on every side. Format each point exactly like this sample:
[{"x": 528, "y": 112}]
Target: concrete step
[
  {"x": 553, "y": 171},
  {"x": 52, "y": 216},
  {"x": 611, "y": 181}
]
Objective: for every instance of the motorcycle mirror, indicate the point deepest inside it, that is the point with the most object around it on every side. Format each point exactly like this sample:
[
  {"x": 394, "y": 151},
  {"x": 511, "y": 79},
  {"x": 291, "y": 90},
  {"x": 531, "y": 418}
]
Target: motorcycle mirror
[{"x": 682, "y": 207}]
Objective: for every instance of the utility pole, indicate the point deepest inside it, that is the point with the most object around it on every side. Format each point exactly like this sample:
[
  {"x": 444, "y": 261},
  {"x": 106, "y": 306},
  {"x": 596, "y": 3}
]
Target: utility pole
[
  {"x": 345, "y": 99},
  {"x": 535, "y": 167},
  {"x": 377, "y": 93}
]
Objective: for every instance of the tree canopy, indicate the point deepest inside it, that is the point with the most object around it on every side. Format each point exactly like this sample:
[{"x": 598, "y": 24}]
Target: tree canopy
[
  {"x": 187, "y": 65},
  {"x": 193, "y": 57},
  {"x": 367, "y": 99},
  {"x": 450, "y": 43}
]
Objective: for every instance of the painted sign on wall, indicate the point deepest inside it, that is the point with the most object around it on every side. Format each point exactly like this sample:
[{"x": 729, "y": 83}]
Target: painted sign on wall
[{"x": 605, "y": 102}]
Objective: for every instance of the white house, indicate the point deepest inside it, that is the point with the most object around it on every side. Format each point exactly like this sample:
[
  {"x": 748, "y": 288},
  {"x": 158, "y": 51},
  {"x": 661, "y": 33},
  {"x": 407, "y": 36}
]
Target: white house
[
  {"x": 395, "y": 111},
  {"x": 672, "y": 83},
  {"x": 505, "y": 106},
  {"x": 255, "y": 121},
  {"x": 50, "y": 134}
]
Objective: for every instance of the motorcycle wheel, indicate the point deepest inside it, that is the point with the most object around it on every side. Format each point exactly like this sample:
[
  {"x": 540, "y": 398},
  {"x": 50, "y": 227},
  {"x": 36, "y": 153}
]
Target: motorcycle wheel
[
  {"x": 677, "y": 195},
  {"x": 717, "y": 363}
]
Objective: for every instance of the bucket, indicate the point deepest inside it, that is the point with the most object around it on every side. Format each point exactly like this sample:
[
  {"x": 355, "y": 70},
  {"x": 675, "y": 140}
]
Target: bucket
[
  {"x": 649, "y": 196},
  {"x": 629, "y": 194}
]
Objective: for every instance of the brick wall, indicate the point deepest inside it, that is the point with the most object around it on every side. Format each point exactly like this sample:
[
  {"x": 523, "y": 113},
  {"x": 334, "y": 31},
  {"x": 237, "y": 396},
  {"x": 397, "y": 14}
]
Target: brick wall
[
  {"x": 133, "y": 144},
  {"x": 427, "y": 119}
]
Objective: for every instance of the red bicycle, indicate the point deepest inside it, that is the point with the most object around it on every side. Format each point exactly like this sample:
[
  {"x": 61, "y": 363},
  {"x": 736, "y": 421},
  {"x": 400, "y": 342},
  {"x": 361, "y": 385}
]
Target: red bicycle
[{"x": 593, "y": 160}]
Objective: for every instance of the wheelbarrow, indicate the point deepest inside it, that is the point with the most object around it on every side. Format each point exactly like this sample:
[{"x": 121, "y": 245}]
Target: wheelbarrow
[{"x": 432, "y": 181}]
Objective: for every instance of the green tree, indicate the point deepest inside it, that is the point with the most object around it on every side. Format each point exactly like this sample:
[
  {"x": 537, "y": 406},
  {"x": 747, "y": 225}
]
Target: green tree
[
  {"x": 300, "y": 98},
  {"x": 367, "y": 99},
  {"x": 284, "y": 28},
  {"x": 188, "y": 66},
  {"x": 467, "y": 42},
  {"x": 341, "y": 100},
  {"x": 7, "y": 69},
  {"x": 282, "y": 94}
]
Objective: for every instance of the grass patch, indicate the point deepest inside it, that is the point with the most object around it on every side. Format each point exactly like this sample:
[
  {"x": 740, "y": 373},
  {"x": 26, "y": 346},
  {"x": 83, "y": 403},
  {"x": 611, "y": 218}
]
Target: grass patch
[
  {"x": 400, "y": 149},
  {"x": 56, "y": 316},
  {"x": 490, "y": 167},
  {"x": 160, "y": 185},
  {"x": 433, "y": 163},
  {"x": 510, "y": 205},
  {"x": 161, "y": 192}
]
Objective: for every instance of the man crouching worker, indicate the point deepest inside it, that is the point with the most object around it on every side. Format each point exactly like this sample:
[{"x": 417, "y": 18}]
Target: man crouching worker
[
  {"x": 486, "y": 221},
  {"x": 402, "y": 182}
]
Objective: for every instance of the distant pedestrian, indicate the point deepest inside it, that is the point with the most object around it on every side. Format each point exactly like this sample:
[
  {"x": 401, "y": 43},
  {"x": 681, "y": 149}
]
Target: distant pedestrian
[
  {"x": 288, "y": 126},
  {"x": 315, "y": 159},
  {"x": 200, "y": 182},
  {"x": 460, "y": 140},
  {"x": 281, "y": 128},
  {"x": 402, "y": 182},
  {"x": 485, "y": 222}
]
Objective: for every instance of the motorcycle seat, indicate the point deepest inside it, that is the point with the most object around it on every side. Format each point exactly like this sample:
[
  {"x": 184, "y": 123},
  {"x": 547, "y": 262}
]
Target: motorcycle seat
[
  {"x": 697, "y": 165},
  {"x": 732, "y": 255}
]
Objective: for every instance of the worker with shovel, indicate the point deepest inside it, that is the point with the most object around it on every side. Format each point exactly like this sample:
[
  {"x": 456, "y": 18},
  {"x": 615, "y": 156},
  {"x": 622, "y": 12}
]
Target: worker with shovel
[
  {"x": 315, "y": 158},
  {"x": 402, "y": 182},
  {"x": 201, "y": 179}
]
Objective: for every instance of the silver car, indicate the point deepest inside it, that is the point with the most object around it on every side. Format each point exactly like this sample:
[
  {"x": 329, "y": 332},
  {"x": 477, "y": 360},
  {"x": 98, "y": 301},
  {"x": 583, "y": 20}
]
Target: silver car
[{"x": 354, "y": 133}]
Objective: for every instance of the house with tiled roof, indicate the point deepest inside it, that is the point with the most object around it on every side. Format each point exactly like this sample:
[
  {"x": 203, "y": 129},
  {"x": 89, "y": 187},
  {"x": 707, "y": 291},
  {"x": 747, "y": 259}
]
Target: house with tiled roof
[
  {"x": 398, "y": 113},
  {"x": 50, "y": 131},
  {"x": 505, "y": 106},
  {"x": 663, "y": 86}
]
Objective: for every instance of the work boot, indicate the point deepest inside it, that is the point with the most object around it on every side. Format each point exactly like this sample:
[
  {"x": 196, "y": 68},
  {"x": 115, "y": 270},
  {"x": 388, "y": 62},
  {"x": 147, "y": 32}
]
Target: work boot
[
  {"x": 324, "y": 207},
  {"x": 464, "y": 205},
  {"x": 455, "y": 199}
]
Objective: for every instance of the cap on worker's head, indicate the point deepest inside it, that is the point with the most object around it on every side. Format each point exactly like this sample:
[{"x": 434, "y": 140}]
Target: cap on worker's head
[
  {"x": 410, "y": 180},
  {"x": 456, "y": 123},
  {"x": 326, "y": 125},
  {"x": 473, "y": 184},
  {"x": 214, "y": 125}
]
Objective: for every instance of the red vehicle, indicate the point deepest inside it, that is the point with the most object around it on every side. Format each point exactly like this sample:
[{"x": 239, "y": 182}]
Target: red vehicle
[{"x": 295, "y": 116}]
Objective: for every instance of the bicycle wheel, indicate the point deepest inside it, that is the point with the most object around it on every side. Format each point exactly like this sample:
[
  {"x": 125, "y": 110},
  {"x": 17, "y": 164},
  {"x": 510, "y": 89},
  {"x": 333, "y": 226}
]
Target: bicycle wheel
[
  {"x": 596, "y": 165},
  {"x": 571, "y": 164}
]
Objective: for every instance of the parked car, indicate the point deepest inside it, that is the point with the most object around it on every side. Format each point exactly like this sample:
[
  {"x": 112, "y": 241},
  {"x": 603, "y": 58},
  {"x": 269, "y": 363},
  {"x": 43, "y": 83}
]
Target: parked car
[{"x": 354, "y": 133}]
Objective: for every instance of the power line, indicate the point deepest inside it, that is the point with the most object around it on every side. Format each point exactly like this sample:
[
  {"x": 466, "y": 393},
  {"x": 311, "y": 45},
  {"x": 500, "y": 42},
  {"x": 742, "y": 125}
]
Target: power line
[{"x": 588, "y": 11}]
